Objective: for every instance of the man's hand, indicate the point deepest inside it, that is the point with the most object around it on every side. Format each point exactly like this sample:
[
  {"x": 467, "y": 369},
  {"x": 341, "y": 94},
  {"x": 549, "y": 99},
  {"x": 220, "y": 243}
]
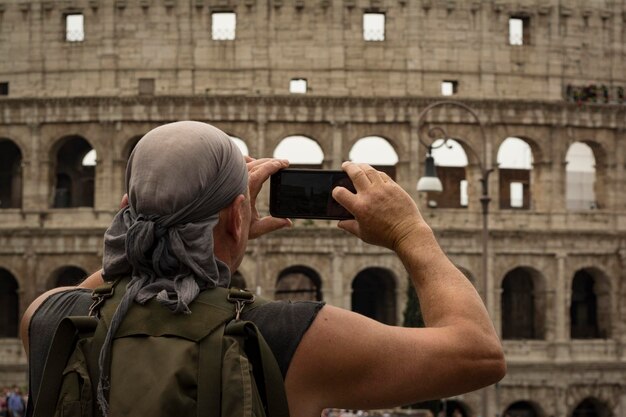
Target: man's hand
[
  {"x": 384, "y": 213},
  {"x": 259, "y": 170}
]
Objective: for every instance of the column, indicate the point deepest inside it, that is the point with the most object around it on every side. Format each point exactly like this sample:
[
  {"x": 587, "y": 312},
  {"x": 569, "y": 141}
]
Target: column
[
  {"x": 561, "y": 311},
  {"x": 337, "y": 151},
  {"x": 336, "y": 294}
]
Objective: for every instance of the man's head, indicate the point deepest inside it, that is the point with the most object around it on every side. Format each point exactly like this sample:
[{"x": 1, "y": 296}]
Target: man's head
[
  {"x": 192, "y": 164},
  {"x": 182, "y": 178}
]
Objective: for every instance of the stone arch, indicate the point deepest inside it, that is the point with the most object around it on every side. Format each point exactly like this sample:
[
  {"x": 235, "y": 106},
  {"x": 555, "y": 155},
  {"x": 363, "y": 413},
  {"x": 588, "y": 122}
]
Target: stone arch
[
  {"x": 74, "y": 179},
  {"x": 537, "y": 153},
  {"x": 391, "y": 134},
  {"x": 66, "y": 276},
  {"x": 297, "y": 283},
  {"x": 523, "y": 303},
  {"x": 523, "y": 408},
  {"x": 515, "y": 166},
  {"x": 376, "y": 151},
  {"x": 9, "y": 304},
  {"x": 301, "y": 151},
  {"x": 10, "y": 174},
  {"x": 241, "y": 144},
  {"x": 590, "y": 305},
  {"x": 591, "y": 407},
  {"x": 585, "y": 175},
  {"x": 374, "y": 294},
  {"x": 451, "y": 160}
]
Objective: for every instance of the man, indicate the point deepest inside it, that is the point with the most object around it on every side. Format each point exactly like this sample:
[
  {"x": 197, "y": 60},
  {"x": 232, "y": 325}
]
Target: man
[
  {"x": 184, "y": 179},
  {"x": 15, "y": 403}
]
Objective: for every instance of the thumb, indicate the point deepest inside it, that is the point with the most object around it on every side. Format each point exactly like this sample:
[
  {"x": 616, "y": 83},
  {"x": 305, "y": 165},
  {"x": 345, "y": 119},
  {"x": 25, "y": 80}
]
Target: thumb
[
  {"x": 351, "y": 226},
  {"x": 267, "y": 225},
  {"x": 344, "y": 197}
]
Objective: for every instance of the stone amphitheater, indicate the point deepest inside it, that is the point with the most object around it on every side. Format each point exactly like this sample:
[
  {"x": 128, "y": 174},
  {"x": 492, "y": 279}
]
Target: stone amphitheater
[{"x": 82, "y": 80}]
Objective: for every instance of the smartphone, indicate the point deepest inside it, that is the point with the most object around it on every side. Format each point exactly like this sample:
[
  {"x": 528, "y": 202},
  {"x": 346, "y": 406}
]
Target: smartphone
[{"x": 307, "y": 194}]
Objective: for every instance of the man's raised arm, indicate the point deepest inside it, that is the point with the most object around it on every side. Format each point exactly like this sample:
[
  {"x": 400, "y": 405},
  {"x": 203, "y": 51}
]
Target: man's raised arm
[{"x": 346, "y": 360}]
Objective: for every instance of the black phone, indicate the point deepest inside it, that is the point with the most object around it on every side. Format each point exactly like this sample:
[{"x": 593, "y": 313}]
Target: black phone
[{"x": 307, "y": 194}]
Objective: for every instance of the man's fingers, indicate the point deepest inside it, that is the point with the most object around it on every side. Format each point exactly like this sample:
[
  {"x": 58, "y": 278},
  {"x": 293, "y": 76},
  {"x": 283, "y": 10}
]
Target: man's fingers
[
  {"x": 372, "y": 174},
  {"x": 261, "y": 172},
  {"x": 357, "y": 175}
]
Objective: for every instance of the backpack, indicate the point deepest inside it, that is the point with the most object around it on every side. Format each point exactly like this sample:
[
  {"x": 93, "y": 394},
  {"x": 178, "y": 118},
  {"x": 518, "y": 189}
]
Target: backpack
[{"x": 207, "y": 363}]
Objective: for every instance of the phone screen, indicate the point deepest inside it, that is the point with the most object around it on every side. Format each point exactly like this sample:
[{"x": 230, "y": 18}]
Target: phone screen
[{"x": 306, "y": 194}]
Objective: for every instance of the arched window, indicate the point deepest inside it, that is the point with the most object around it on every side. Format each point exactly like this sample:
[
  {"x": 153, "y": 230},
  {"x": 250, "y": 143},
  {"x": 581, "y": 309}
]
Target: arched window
[
  {"x": 451, "y": 162},
  {"x": 521, "y": 317},
  {"x": 10, "y": 175},
  {"x": 377, "y": 152},
  {"x": 590, "y": 316},
  {"x": 515, "y": 160},
  {"x": 9, "y": 304},
  {"x": 67, "y": 276},
  {"x": 302, "y": 152},
  {"x": 591, "y": 407},
  {"x": 298, "y": 283},
  {"x": 238, "y": 281},
  {"x": 241, "y": 145},
  {"x": 374, "y": 295},
  {"x": 580, "y": 178},
  {"x": 130, "y": 146},
  {"x": 522, "y": 409},
  {"x": 75, "y": 174}
]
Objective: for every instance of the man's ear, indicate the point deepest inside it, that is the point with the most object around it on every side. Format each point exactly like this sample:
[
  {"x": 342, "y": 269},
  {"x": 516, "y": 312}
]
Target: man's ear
[{"x": 234, "y": 223}]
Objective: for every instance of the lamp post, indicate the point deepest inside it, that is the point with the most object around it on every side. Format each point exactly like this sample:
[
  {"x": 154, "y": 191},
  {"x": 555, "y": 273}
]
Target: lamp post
[{"x": 430, "y": 182}]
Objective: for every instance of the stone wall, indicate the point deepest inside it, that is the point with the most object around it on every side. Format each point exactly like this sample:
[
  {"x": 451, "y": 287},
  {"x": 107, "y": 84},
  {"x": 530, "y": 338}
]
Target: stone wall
[{"x": 90, "y": 90}]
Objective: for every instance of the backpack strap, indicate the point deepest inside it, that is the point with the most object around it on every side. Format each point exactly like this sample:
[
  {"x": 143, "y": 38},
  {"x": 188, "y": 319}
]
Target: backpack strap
[
  {"x": 267, "y": 373},
  {"x": 210, "y": 373},
  {"x": 63, "y": 343}
]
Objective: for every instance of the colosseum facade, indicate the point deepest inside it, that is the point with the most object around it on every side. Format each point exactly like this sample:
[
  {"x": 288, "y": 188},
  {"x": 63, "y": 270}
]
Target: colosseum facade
[{"x": 545, "y": 78}]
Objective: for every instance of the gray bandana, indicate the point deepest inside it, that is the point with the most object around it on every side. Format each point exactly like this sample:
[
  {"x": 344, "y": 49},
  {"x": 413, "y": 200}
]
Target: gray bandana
[{"x": 178, "y": 178}]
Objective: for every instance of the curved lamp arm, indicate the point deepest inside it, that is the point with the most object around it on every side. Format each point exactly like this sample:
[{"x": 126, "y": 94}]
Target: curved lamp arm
[{"x": 438, "y": 132}]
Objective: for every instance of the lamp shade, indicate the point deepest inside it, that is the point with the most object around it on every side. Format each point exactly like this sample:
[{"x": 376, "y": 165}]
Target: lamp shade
[{"x": 430, "y": 182}]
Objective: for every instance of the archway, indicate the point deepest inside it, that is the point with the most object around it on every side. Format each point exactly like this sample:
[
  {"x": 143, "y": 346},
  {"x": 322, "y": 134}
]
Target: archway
[
  {"x": 301, "y": 151},
  {"x": 67, "y": 276},
  {"x": 451, "y": 163},
  {"x": 522, "y": 409},
  {"x": 9, "y": 304},
  {"x": 591, "y": 407},
  {"x": 74, "y": 174},
  {"x": 515, "y": 160},
  {"x": 374, "y": 295},
  {"x": 377, "y": 152},
  {"x": 10, "y": 175},
  {"x": 522, "y": 317},
  {"x": 298, "y": 283},
  {"x": 590, "y": 308},
  {"x": 241, "y": 145},
  {"x": 580, "y": 178}
]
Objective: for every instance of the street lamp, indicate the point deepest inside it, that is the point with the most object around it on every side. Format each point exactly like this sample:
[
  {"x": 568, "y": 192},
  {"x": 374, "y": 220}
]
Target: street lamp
[{"x": 430, "y": 182}]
